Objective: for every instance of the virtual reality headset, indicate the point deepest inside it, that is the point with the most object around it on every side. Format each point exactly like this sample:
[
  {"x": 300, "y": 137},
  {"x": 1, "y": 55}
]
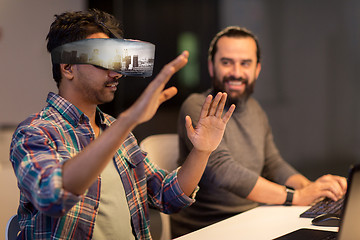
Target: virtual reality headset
[{"x": 125, "y": 56}]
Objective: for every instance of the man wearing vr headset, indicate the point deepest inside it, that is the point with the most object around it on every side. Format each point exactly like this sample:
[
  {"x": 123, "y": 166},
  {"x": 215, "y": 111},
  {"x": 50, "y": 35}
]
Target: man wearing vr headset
[{"x": 80, "y": 172}]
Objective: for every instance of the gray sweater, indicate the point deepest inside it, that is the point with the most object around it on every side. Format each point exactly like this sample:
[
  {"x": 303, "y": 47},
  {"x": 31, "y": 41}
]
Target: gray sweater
[{"x": 246, "y": 152}]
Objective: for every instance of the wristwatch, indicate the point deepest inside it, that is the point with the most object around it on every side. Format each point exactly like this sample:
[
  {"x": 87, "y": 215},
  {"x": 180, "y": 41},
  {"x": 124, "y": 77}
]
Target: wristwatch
[{"x": 289, "y": 196}]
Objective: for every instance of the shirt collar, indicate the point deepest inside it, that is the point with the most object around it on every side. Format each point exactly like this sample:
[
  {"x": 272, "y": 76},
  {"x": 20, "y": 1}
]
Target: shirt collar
[{"x": 70, "y": 112}]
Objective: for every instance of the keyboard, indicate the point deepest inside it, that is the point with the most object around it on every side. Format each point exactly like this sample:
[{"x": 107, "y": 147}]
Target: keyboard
[{"x": 324, "y": 206}]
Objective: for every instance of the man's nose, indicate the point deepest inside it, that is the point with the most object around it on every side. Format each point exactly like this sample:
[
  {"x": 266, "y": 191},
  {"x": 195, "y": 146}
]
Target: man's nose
[
  {"x": 114, "y": 74},
  {"x": 238, "y": 71}
]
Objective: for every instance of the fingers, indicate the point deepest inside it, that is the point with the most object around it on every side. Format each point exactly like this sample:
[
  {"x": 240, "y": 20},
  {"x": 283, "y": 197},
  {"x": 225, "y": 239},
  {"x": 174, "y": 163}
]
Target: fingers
[
  {"x": 342, "y": 182},
  {"x": 180, "y": 61},
  {"x": 339, "y": 185},
  {"x": 155, "y": 90},
  {"x": 335, "y": 184},
  {"x": 334, "y": 190},
  {"x": 189, "y": 127},
  {"x": 167, "y": 94},
  {"x": 331, "y": 186},
  {"x": 171, "y": 68},
  {"x": 329, "y": 194},
  {"x": 215, "y": 107},
  {"x": 205, "y": 107},
  {"x": 228, "y": 114}
]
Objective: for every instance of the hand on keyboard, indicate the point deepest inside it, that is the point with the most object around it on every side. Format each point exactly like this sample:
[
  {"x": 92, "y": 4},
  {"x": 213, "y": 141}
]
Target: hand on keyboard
[{"x": 330, "y": 186}]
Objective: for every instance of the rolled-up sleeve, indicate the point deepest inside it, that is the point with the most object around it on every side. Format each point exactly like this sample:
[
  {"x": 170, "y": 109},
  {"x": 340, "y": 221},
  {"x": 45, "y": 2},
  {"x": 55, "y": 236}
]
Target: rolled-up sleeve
[{"x": 164, "y": 190}]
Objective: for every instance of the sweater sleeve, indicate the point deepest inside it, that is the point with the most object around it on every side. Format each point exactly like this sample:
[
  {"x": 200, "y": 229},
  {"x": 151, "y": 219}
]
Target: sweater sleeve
[
  {"x": 225, "y": 172},
  {"x": 275, "y": 168},
  {"x": 247, "y": 153}
]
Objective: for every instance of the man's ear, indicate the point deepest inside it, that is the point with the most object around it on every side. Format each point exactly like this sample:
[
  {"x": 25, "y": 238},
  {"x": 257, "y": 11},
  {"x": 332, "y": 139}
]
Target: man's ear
[
  {"x": 211, "y": 68},
  {"x": 258, "y": 69},
  {"x": 67, "y": 70}
]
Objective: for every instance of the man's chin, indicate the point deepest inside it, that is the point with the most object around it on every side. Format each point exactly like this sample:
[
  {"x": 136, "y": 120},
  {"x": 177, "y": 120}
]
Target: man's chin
[
  {"x": 105, "y": 100},
  {"x": 237, "y": 99},
  {"x": 235, "y": 96}
]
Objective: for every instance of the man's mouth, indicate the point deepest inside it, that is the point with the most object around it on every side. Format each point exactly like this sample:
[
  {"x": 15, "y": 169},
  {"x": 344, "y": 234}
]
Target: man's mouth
[
  {"x": 112, "y": 84},
  {"x": 235, "y": 85}
]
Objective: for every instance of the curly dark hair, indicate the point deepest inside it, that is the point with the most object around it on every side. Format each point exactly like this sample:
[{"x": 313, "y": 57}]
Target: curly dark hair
[
  {"x": 73, "y": 26},
  {"x": 232, "y": 31}
]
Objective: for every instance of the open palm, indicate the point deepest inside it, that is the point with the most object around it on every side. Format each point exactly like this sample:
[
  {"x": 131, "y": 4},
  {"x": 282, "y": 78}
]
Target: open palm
[{"x": 209, "y": 131}]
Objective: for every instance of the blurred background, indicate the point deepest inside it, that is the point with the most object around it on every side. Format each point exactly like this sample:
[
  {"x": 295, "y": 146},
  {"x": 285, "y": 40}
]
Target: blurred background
[{"x": 308, "y": 84}]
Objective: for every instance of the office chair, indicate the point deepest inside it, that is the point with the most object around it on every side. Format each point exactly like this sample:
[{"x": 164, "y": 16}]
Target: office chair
[
  {"x": 12, "y": 228},
  {"x": 163, "y": 150}
]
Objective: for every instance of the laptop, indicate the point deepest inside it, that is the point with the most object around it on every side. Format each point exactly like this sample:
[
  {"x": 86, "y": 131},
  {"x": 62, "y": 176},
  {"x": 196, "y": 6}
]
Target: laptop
[{"x": 350, "y": 217}]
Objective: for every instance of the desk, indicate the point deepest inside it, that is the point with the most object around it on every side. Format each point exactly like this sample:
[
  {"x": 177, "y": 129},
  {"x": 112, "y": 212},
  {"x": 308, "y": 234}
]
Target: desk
[{"x": 261, "y": 223}]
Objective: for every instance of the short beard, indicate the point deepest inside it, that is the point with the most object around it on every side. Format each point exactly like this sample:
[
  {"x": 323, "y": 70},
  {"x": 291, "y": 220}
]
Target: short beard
[{"x": 240, "y": 100}]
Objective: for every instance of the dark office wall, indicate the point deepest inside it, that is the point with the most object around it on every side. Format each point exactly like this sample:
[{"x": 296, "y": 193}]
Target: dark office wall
[{"x": 309, "y": 81}]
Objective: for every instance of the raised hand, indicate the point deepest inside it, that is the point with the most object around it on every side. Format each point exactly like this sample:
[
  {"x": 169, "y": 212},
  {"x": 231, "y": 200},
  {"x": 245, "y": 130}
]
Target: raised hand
[
  {"x": 205, "y": 138},
  {"x": 209, "y": 131},
  {"x": 147, "y": 104}
]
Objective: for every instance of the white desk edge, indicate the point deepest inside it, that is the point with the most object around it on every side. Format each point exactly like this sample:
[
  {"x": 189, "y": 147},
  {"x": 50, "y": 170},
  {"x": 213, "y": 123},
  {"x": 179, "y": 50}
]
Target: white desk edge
[{"x": 264, "y": 222}]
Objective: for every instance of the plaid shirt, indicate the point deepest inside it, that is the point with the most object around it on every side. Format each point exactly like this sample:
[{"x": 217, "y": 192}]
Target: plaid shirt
[{"x": 43, "y": 142}]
